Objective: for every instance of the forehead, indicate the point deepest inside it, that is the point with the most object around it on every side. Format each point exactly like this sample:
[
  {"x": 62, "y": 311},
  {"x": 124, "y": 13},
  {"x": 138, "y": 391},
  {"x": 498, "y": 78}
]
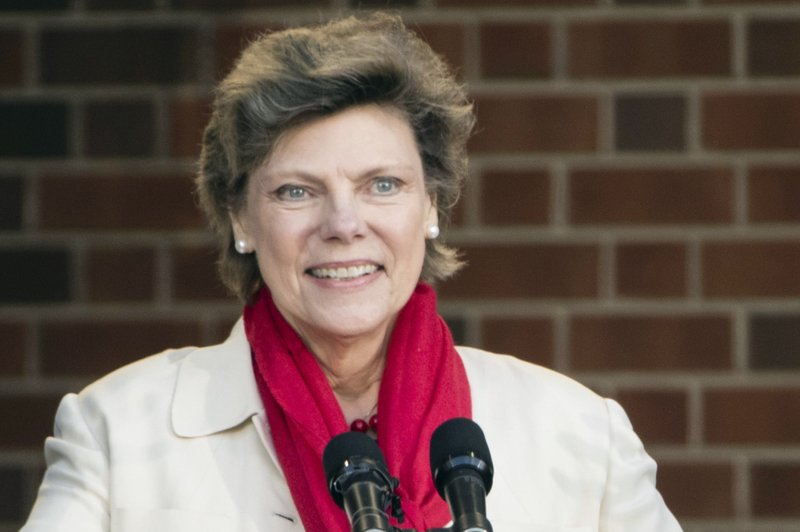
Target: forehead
[{"x": 368, "y": 135}]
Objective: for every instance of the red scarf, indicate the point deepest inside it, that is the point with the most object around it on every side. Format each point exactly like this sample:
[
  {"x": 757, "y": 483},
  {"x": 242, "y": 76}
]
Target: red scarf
[{"x": 424, "y": 383}]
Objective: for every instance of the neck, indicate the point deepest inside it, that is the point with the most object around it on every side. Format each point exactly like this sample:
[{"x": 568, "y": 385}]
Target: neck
[{"x": 354, "y": 367}]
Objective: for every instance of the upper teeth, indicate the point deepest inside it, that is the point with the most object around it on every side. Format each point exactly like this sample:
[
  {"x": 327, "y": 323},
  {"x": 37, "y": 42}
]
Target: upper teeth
[{"x": 344, "y": 273}]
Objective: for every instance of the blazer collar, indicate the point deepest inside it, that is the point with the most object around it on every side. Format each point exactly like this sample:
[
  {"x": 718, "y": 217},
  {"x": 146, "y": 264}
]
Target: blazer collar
[{"x": 216, "y": 389}]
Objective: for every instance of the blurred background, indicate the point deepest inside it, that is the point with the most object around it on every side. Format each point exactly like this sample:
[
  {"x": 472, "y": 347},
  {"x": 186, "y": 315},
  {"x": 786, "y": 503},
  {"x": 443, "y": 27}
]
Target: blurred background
[{"x": 632, "y": 218}]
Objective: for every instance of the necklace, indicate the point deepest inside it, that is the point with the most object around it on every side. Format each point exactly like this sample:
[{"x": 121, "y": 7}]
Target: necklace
[{"x": 367, "y": 423}]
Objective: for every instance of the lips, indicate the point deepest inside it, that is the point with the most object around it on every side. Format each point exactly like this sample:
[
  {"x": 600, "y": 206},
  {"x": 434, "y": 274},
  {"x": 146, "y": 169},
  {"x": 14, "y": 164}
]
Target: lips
[{"x": 343, "y": 273}]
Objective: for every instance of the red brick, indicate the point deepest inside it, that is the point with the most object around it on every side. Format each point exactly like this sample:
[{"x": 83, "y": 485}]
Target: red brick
[
  {"x": 510, "y": 197},
  {"x": 194, "y": 275},
  {"x": 26, "y": 420},
  {"x": 649, "y": 49},
  {"x": 659, "y": 416},
  {"x": 516, "y": 50},
  {"x": 535, "y": 124},
  {"x": 651, "y": 270},
  {"x": 756, "y": 121},
  {"x": 773, "y": 47},
  {"x": 14, "y": 339},
  {"x": 526, "y": 271},
  {"x": 119, "y": 129},
  {"x": 445, "y": 39},
  {"x": 751, "y": 269},
  {"x": 120, "y": 202},
  {"x": 83, "y": 347},
  {"x": 514, "y": 3},
  {"x": 651, "y": 196},
  {"x": 774, "y": 194},
  {"x": 121, "y": 274},
  {"x": 229, "y": 41},
  {"x": 166, "y": 55},
  {"x": 187, "y": 121},
  {"x": 697, "y": 490},
  {"x": 649, "y": 343},
  {"x": 530, "y": 339},
  {"x": 775, "y": 489},
  {"x": 11, "y": 44},
  {"x": 752, "y": 416}
]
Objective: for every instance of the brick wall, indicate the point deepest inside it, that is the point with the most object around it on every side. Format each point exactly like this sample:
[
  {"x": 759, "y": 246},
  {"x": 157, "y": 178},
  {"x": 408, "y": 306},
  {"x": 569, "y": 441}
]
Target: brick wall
[{"x": 633, "y": 217}]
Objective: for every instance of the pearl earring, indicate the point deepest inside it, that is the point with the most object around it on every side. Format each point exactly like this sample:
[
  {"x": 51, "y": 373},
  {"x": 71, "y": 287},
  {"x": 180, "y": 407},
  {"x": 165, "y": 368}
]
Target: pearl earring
[
  {"x": 432, "y": 231},
  {"x": 241, "y": 246}
]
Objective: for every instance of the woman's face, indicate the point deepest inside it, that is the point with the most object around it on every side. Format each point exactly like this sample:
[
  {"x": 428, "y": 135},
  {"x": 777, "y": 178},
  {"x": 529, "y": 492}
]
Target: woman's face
[{"x": 337, "y": 218}]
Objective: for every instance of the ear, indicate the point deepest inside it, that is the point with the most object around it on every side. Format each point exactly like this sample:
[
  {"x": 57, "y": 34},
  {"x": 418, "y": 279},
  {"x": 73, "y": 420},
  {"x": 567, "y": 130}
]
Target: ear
[
  {"x": 432, "y": 216},
  {"x": 239, "y": 228}
]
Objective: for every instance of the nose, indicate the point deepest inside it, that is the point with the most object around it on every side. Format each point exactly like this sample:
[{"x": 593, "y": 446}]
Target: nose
[{"x": 342, "y": 219}]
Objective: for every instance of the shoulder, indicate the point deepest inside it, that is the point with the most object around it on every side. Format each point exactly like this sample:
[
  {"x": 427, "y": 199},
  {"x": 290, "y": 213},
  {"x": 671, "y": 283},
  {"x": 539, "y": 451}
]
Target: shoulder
[{"x": 492, "y": 376}]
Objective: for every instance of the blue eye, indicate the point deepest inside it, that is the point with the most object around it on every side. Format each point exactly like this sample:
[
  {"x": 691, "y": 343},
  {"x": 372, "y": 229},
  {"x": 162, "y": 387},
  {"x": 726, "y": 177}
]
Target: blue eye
[
  {"x": 385, "y": 185},
  {"x": 291, "y": 193}
]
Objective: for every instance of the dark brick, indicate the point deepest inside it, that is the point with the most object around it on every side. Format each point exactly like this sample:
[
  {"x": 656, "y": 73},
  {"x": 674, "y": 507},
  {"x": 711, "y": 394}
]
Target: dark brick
[
  {"x": 33, "y": 5},
  {"x": 775, "y": 342},
  {"x": 774, "y": 47},
  {"x": 13, "y": 338},
  {"x": 26, "y": 420},
  {"x": 651, "y": 270},
  {"x": 516, "y": 50},
  {"x": 774, "y": 194},
  {"x": 650, "y": 343},
  {"x": 12, "y": 493},
  {"x": 747, "y": 416},
  {"x": 697, "y": 490},
  {"x": 383, "y": 3},
  {"x": 650, "y": 123},
  {"x": 651, "y": 196},
  {"x": 187, "y": 121},
  {"x": 114, "y": 5},
  {"x": 515, "y": 197},
  {"x": 97, "y": 347},
  {"x": 34, "y": 275},
  {"x": 11, "y": 50},
  {"x": 119, "y": 129},
  {"x": 525, "y": 271},
  {"x": 122, "y": 55},
  {"x": 458, "y": 328},
  {"x": 535, "y": 124},
  {"x": 776, "y": 489},
  {"x": 122, "y": 202},
  {"x": 648, "y": 2},
  {"x": 238, "y": 4},
  {"x": 194, "y": 275},
  {"x": 750, "y": 121},
  {"x": 11, "y": 199},
  {"x": 530, "y": 339},
  {"x": 123, "y": 274},
  {"x": 33, "y": 129},
  {"x": 649, "y": 49}
]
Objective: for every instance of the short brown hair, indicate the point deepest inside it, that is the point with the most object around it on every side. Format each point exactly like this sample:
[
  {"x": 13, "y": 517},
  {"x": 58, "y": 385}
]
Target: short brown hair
[{"x": 290, "y": 77}]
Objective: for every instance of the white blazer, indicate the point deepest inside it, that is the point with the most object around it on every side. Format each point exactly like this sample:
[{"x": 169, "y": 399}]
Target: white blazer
[{"x": 178, "y": 442}]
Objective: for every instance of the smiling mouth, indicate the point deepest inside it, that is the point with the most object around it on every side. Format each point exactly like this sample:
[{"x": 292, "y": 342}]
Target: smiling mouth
[{"x": 343, "y": 274}]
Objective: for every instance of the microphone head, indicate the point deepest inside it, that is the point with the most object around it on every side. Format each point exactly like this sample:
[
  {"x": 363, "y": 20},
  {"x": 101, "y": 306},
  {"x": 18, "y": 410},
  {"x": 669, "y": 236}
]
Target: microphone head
[
  {"x": 458, "y": 444},
  {"x": 352, "y": 456}
]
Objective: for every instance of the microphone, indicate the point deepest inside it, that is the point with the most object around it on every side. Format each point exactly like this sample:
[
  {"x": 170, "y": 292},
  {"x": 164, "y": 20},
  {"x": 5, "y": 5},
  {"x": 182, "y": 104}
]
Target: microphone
[
  {"x": 462, "y": 472},
  {"x": 359, "y": 481}
]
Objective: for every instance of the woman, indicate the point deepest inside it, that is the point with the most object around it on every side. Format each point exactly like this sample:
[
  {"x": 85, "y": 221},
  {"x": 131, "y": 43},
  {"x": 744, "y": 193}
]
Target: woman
[{"x": 332, "y": 157}]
